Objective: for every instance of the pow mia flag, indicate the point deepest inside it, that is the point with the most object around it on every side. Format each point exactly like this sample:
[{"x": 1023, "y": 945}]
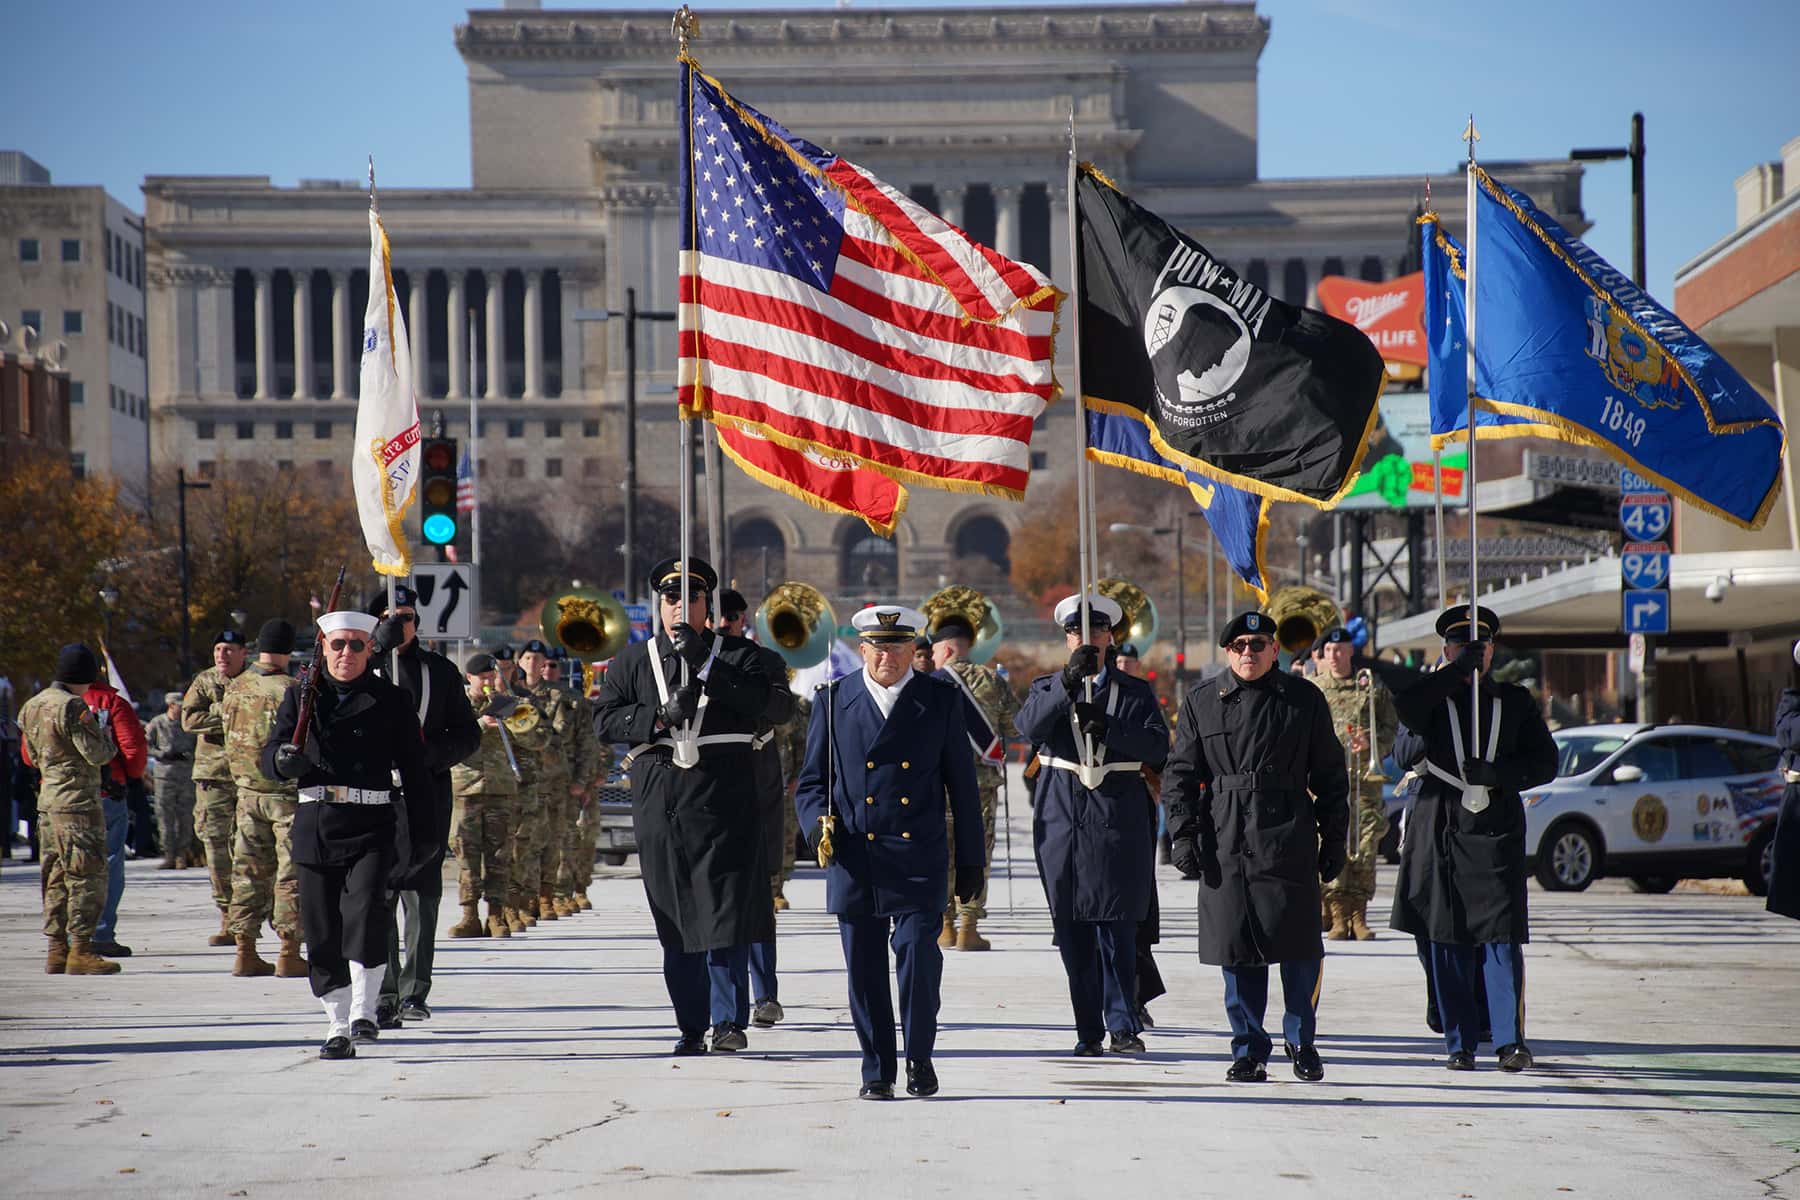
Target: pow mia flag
[{"x": 1272, "y": 398}]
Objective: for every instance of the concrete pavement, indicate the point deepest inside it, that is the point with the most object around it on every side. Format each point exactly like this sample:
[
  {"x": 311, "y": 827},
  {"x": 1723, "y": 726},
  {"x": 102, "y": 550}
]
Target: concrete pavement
[{"x": 1667, "y": 1030}]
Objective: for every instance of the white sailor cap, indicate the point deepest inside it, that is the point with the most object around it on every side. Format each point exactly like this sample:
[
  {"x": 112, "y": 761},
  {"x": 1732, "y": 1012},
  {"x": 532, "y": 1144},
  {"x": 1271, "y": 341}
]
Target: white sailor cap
[
  {"x": 346, "y": 619},
  {"x": 888, "y": 623},
  {"x": 1068, "y": 611}
]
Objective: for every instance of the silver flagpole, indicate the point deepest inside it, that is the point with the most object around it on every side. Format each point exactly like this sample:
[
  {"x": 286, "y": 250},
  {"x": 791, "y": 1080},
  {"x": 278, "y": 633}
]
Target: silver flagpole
[
  {"x": 715, "y": 500},
  {"x": 1471, "y": 135},
  {"x": 1083, "y": 480},
  {"x": 1437, "y": 501}
]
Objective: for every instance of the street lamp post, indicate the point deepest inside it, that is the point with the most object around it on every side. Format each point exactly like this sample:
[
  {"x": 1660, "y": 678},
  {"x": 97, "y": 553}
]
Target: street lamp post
[
  {"x": 109, "y": 598},
  {"x": 631, "y": 316},
  {"x": 182, "y": 487},
  {"x": 238, "y": 617}
]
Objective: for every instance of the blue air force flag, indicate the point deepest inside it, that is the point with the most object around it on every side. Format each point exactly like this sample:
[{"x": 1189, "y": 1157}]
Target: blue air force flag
[{"x": 1568, "y": 348}]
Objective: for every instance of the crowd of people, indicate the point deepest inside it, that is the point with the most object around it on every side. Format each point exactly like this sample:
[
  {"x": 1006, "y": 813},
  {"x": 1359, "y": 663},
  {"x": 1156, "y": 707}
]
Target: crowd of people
[{"x": 324, "y": 807}]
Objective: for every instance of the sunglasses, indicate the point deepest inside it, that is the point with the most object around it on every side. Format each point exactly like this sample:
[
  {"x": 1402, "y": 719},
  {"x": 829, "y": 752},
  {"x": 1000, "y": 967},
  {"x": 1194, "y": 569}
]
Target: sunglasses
[
  {"x": 1249, "y": 645},
  {"x": 354, "y": 645}
]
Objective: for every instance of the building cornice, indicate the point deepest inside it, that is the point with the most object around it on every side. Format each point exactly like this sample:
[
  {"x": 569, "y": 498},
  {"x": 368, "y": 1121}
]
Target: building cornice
[{"x": 496, "y": 35}]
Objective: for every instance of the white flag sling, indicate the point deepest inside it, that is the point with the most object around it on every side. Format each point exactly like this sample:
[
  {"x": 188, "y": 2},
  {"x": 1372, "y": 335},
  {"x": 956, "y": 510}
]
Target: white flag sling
[{"x": 384, "y": 464}]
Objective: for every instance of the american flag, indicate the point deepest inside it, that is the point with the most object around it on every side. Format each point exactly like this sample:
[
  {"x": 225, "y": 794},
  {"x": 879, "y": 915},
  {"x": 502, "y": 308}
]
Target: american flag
[
  {"x": 465, "y": 484},
  {"x": 824, "y": 309}
]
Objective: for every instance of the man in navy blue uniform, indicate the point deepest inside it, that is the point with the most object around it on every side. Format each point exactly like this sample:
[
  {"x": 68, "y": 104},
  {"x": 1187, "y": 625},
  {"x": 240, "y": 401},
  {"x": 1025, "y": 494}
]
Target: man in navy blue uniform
[
  {"x": 1255, "y": 789},
  {"x": 887, "y": 756},
  {"x": 1462, "y": 863},
  {"x": 1093, "y": 828},
  {"x": 689, "y": 702}
]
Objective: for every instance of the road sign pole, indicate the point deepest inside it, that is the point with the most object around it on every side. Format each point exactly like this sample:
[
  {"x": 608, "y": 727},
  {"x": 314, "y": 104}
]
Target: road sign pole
[{"x": 1646, "y": 513}]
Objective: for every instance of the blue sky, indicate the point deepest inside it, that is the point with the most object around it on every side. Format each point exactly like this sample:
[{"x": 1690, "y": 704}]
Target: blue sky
[{"x": 109, "y": 91}]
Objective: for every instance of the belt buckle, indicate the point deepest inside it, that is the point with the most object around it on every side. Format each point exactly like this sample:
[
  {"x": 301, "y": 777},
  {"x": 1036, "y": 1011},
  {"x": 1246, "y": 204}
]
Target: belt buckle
[
  {"x": 1091, "y": 775},
  {"x": 685, "y": 750}
]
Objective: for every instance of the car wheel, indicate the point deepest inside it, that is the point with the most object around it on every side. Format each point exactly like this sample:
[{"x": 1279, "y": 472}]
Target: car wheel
[
  {"x": 1654, "y": 885},
  {"x": 613, "y": 859},
  {"x": 1390, "y": 844},
  {"x": 1568, "y": 858},
  {"x": 1759, "y": 864}
]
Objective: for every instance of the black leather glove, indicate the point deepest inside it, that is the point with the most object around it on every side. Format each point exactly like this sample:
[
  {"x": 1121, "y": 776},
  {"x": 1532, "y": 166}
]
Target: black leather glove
[
  {"x": 1083, "y": 662},
  {"x": 1480, "y": 773},
  {"x": 968, "y": 882},
  {"x": 390, "y": 634},
  {"x": 293, "y": 762},
  {"x": 1331, "y": 862},
  {"x": 679, "y": 707},
  {"x": 689, "y": 644},
  {"x": 1092, "y": 718},
  {"x": 1184, "y": 855},
  {"x": 1468, "y": 659}
]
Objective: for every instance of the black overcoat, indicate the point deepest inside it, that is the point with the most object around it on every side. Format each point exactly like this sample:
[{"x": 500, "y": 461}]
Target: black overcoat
[
  {"x": 699, "y": 830},
  {"x": 771, "y": 788},
  {"x": 1257, "y": 776},
  {"x": 451, "y": 736},
  {"x": 1096, "y": 849},
  {"x": 1462, "y": 874},
  {"x": 1784, "y": 884}
]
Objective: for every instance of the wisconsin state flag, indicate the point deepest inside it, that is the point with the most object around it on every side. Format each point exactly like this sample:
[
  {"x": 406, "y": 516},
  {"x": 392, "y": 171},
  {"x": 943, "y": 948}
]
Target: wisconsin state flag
[{"x": 1228, "y": 381}]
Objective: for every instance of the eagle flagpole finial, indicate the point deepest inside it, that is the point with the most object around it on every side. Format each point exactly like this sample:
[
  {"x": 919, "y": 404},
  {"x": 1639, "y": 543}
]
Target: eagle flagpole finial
[{"x": 685, "y": 27}]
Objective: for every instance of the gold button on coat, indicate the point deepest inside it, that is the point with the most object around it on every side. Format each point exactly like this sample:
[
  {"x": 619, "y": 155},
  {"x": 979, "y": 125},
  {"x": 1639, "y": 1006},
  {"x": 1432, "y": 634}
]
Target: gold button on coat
[
  {"x": 871, "y": 837},
  {"x": 905, "y": 766},
  {"x": 868, "y": 799},
  {"x": 907, "y": 834},
  {"x": 869, "y": 765},
  {"x": 904, "y": 800}
]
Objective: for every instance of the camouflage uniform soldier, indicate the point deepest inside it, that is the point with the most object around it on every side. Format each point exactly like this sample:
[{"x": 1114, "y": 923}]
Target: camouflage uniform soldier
[
  {"x": 790, "y": 740},
  {"x": 173, "y": 749},
  {"x": 553, "y": 780},
  {"x": 215, "y": 795},
  {"x": 580, "y": 741},
  {"x": 486, "y": 794},
  {"x": 264, "y": 882},
  {"x": 525, "y": 840},
  {"x": 592, "y": 759},
  {"x": 1346, "y": 898},
  {"x": 69, "y": 747},
  {"x": 953, "y": 636}
]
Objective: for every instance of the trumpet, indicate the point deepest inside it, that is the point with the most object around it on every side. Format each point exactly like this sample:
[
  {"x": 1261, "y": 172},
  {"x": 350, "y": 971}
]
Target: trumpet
[
  {"x": 515, "y": 713},
  {"x": 1365, "y": 684}
]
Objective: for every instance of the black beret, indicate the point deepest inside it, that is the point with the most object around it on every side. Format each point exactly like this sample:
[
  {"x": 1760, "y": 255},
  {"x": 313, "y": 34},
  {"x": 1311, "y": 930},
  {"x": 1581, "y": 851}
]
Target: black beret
[
  {"x": 503, "y": 653},
  {"x": 1252, "y": 623},
  {"x": 1337, "y": 633},
  {"x": 75, "y": 663},
  {"x": 478, "y": 664},
  {"x": 921, "y": 642},
  {"x": 1453, "y": 625},
  {"x": 535, "y": 646},
  {"x": 953, "y": 626},
  {"x": 275, "y": 637},
  {"x": 732, "y": 602},
  {"x": 666, "y": 575},
  {"x": 1128, "y": 650},
  {"x": 230, "y": 637},
  {"x": 404, "y": 597}
]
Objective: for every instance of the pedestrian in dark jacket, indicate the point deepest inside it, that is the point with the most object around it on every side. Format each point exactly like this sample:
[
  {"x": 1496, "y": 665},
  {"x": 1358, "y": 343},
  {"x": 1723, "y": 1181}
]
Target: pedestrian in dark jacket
[
  {"x": 1093, "y": 828},
  {"x": 1260, "y": 742},
  {"x": 689, "y": 703},
  {"x": 1784, "y": 877}
]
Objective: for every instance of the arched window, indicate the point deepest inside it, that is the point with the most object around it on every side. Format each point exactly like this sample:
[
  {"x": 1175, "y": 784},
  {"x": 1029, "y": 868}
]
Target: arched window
[
  {"x": 758, "y": 555},
  {"x": 981, "y": 552},
  {"x": 1371, "y": 269},
  {"x": 870, "y": 565}
]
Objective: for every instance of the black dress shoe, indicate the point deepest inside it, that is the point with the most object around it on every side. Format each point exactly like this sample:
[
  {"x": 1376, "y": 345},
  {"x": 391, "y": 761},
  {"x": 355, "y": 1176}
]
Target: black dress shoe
[
  {"x": 386, "y": 1016},
  {"x": 1126, "y": 1043},
  {"x": 1246, "y": 1070},
  {"x": 1460, "y": 1060},
  {"x": 414, "y": 1010},
  {"x": 1515, "y": 1057},
  {"x": 690, "y": 1044},
  {"x": 881, "y": 1089},
  {"x": 921, "y": 1079},
  {"x": 1089, "y": 1050},
  {"x": 364, "y": 1031},
  {"x": 1306, "y": 1062},
  {"x": 337, "y": 1047},
  {"x": 727, "y": 1036},
  {"x": 111, "y": 950}
]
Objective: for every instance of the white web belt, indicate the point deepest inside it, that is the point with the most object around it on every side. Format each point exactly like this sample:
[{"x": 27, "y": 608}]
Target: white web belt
[
  {"x": 1474, "y": 796},
  {"x": 754, "y": 741},
  {"x": 331, "y": 794}
]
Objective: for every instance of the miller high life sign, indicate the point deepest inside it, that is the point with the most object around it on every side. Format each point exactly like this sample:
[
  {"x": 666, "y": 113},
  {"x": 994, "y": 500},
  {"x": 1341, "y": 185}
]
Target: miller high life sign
[{"x": 1390, "y": 314}]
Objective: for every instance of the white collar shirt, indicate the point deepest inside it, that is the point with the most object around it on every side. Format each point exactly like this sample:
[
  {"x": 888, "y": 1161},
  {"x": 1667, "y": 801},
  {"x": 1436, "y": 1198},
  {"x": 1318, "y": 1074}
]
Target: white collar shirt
[{"x": 886, "y": 697}]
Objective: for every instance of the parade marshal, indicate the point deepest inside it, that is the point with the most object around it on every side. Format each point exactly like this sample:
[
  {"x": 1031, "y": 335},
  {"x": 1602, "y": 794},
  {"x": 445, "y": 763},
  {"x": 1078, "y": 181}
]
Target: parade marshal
[{"x": 887, "y": 757}]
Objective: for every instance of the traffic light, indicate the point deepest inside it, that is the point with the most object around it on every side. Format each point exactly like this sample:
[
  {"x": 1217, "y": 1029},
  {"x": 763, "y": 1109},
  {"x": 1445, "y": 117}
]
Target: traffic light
[{"x": 437, "y": 491}]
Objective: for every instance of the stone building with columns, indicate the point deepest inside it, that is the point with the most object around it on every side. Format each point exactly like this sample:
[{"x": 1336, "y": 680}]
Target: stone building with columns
[{"x": 257, "y": 290}]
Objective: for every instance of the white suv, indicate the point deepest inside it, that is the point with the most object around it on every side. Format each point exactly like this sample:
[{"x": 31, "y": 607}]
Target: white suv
[{"x": 1655, "y": 804}]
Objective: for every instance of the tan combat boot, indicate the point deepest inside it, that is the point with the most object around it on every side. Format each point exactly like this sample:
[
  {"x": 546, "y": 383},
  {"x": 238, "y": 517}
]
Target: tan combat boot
[
  {"x": 289, "y": 964},
  {"x": 566, "y": 906},
  {"x": 515, "y": 920},
  {"x": 781, "y": 900},
  {"x": 546, "y": 907},
  {"x": 1340, "y": 921},
  {"x": 58, "y": 961},
  {"x": 168, "y": 863},
  {"x": 582, "y": 902},
  {"x": 497, "y": 925},
  {"x": 83, "y": 960},
  {"x": 1359, "y": 925},
  {"x": 968, "y": 939},
  {"x": 470, "y": 926},
  {"x": 249, "y": 964},
  {"x": 947, "y": 937},
  {"x": 224, "y": 936}
]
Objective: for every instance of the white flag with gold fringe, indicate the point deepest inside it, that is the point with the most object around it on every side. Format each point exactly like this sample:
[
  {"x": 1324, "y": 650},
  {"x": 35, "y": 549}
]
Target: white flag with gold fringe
[{"x": 385, "y": 464}]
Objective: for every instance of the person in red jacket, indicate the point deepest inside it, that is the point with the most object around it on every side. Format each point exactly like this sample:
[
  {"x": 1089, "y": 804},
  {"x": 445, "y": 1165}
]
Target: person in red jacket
[{"x": 115, "y": 712}]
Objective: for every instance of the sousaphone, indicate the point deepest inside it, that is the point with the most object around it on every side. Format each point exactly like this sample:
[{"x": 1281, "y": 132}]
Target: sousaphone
[
  {"x": 1138, "y": 623},
  {"x": 796, "y": 622},
  {"x": 982, "y": 615},
  {"x": 585, "y": 621}
]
